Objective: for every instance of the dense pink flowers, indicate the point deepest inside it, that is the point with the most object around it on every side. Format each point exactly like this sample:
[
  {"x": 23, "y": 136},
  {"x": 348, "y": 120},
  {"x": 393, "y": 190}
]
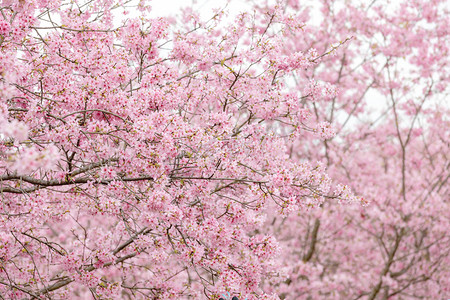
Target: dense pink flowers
[{"x": 261, "y": 155}]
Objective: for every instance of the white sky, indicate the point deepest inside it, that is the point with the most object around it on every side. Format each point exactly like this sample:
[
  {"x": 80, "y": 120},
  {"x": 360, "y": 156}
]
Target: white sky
[{"x": 164, "y": 8}]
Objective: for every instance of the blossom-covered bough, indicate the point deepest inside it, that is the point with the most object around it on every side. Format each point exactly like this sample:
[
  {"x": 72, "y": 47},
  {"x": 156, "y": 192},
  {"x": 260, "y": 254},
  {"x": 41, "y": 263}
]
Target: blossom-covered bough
[
  {"x": 189, "y": 158},
  {"x": 138, "y": 158}
]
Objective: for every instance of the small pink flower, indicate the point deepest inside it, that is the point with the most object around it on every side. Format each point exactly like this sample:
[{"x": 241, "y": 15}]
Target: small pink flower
[
  {"x": 5, "y": 27},
  {"x": 204, "y": 66}
]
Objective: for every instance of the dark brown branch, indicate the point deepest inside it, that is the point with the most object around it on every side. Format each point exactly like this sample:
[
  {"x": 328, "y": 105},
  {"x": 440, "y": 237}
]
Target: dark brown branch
[{"x": 312, "y": 246}]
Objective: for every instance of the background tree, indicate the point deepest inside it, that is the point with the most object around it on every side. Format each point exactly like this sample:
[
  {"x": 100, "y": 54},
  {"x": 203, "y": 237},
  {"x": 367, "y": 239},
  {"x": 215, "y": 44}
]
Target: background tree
[{"x": 391, "y": 147}]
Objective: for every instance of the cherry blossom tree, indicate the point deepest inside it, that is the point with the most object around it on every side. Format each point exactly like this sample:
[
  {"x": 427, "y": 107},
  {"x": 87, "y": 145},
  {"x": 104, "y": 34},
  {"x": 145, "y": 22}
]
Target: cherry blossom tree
[
  {"x": 393, "y": 153},
  {"x": 188, "y": 158},
  {"x": 140, "y": 156}
]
